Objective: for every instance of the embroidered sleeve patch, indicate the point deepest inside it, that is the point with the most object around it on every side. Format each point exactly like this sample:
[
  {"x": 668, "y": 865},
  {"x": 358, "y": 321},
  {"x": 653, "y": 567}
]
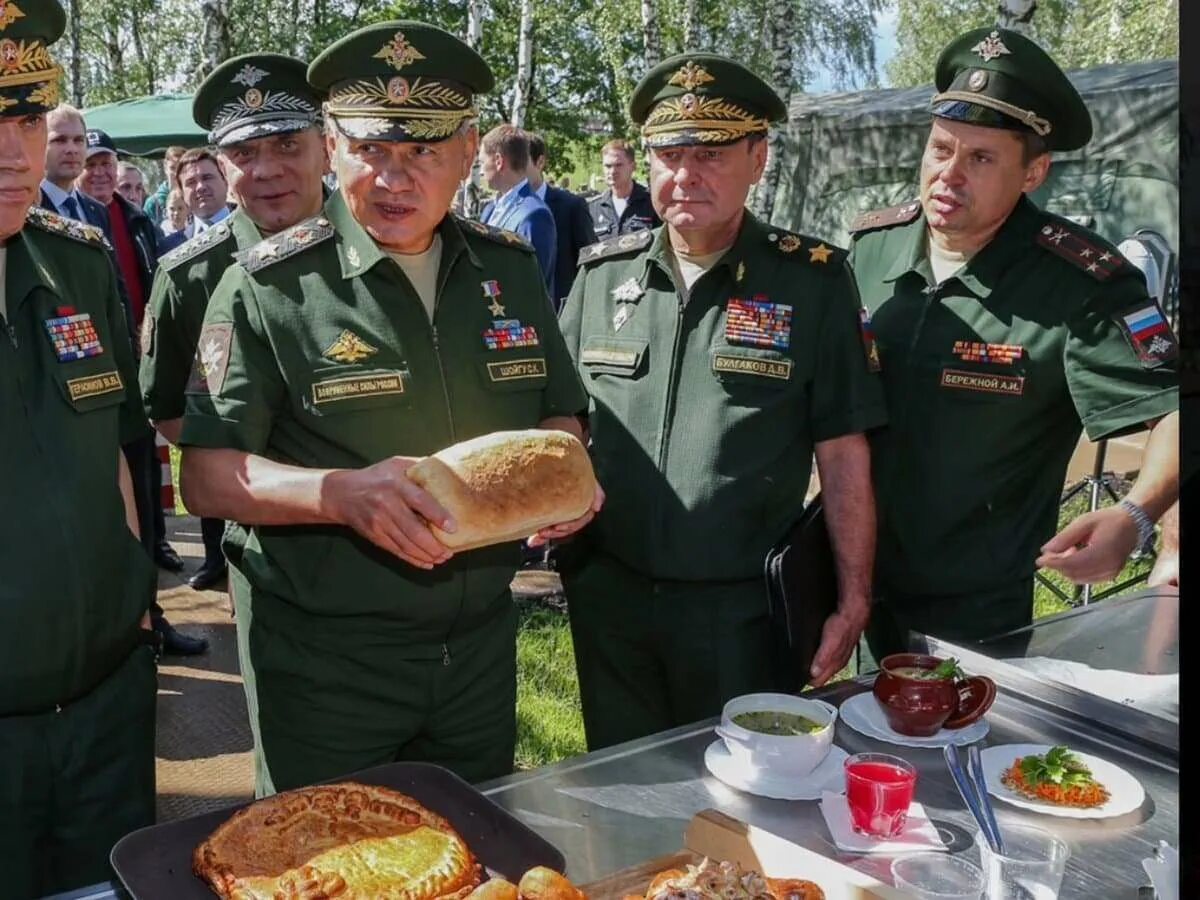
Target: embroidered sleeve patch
[
  {"x": 149, "y": 324},
  {"x": 212, "y": 359},
  {"x": 1149, "y": 335},
  {"x": 870, "y": 348}
]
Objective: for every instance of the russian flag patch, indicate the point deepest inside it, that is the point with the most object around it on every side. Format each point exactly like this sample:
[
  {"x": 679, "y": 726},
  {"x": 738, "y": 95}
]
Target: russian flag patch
[{"x": 1149, "y": 335}]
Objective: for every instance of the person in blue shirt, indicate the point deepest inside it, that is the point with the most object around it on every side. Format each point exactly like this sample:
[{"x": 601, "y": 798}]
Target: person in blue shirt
[{"x": 504, "y": 159}]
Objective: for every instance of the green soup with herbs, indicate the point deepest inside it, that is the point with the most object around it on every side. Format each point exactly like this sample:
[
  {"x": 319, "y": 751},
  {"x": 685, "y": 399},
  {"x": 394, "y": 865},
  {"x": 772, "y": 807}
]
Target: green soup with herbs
[{"x": 778, "y": 723}]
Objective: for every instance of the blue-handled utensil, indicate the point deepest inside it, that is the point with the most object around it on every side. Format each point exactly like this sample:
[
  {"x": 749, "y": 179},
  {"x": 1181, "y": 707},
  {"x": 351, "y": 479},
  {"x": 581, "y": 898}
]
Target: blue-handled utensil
[
  {"x": 975, "y": 770},
  {"x": 967, "y": 792}
]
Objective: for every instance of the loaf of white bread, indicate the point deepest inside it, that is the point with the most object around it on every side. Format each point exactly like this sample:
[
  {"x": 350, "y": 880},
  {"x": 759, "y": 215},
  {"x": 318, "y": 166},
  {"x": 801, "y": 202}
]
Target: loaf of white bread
[{"x": 506, "y": 485}]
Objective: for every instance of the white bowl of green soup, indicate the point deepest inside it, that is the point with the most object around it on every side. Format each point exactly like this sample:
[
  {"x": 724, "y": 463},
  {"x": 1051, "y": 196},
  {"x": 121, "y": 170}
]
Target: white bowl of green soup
[{"x": 785, "y": 734}]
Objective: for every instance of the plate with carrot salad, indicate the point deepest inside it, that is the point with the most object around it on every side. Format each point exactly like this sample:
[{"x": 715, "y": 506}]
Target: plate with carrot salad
[{"x": 1060, "y": 781}]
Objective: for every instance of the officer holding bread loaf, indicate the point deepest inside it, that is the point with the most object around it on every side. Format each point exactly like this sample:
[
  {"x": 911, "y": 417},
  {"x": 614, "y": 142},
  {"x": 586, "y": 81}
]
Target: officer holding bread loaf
[
  {"x": 333, "y": 357},
  {"x": 718, "y": 353}
]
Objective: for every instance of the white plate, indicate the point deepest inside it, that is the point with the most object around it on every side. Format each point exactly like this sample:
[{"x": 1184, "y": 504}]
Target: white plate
[
  {"x": 827, "y": 776},
  {"x": 863, "y": 713},
  {"x": 1125, "y": 792}
]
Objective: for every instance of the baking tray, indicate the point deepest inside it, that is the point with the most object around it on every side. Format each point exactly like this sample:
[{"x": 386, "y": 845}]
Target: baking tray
[{"x": 156, "y": 862}]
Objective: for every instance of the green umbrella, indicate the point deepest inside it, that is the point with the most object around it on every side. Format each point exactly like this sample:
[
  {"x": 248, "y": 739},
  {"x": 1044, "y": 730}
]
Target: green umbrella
[{"x": 147, "y": 126}]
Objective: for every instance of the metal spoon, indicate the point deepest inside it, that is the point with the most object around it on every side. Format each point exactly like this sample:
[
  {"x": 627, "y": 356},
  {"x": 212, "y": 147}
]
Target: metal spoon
[{"x": 975, "y": 768}]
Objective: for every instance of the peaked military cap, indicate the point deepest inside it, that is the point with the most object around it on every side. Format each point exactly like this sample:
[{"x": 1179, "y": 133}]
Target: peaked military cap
[
  {"x": 255, "y": 95},
  {"x": 1001, "y": 79},
  {"x": 400, "y": 81},
  {"x": 28, "y": 74},
  {"x": 702, "y": 98}
]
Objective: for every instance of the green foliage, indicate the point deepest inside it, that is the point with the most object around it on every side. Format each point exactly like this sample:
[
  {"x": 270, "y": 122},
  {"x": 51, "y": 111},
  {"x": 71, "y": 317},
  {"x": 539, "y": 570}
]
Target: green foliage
[
  {"x": 1078, "y": 33},
  {"x": 1057, "y": 766},
  {"x": 549, "y": 720}
]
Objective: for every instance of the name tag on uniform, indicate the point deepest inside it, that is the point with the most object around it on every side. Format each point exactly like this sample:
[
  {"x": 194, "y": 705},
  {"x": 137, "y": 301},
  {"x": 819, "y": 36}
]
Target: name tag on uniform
[
  {"x": 766, "y": 368},
  {"x": 516, "y": 369},
  {"x": 1011, "y": 385},
  {"x": 348, "y": 387},
  {"x": 94, "y": 385},
  {"x": 609, "y": 356}
]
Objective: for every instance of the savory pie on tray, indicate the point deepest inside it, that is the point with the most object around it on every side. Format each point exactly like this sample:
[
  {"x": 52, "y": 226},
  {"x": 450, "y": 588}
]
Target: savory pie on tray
[{"x": 347, "y": 841}]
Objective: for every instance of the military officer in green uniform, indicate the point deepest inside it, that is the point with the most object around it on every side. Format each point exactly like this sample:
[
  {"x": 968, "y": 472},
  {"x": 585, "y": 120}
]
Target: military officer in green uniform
[
  {"x": 331, "y": 357},
  {"x": 265, "y": 121},
  {"x": 77, "y": 681},
  {"x": 1002, "y": 329},
  {"x": 718, "y": 354}
]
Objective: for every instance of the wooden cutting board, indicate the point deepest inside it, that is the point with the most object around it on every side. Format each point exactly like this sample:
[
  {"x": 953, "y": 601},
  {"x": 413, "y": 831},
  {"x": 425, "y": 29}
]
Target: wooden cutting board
[{"x": 718, "y": 836}]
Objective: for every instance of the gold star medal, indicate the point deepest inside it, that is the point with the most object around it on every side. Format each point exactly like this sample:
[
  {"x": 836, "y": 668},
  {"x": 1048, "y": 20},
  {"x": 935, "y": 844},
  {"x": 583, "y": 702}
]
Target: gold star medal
[{"x": 491, "y": 291}]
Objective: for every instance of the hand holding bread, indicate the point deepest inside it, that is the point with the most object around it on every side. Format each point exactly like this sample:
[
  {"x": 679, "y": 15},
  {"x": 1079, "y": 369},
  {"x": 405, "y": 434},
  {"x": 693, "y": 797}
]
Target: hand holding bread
[{"x": 508, "y": 485}]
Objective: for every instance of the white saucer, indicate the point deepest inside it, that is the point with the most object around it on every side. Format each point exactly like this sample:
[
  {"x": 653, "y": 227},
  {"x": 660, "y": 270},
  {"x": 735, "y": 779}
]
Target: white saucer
[
  {"x": 863, "y": 713},
  {"x": 827, "y": 776}
]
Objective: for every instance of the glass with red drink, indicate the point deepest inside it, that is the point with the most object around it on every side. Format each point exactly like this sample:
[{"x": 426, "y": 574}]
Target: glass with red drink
[{"x": 879, "y": 790}]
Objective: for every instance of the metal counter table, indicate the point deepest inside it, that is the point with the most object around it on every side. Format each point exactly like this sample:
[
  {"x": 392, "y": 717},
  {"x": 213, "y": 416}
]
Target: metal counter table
[
  {"x": 621, "y": 806},
  {"x": 617, "y": 807}
]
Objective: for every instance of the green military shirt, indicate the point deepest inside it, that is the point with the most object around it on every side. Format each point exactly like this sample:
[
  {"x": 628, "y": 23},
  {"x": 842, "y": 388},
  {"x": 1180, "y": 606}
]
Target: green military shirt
[
  {"x": 75, "y": 581},
  {"x": 184, "y": 283},
  {"x": 704, "y": 415},
  {"x": 316, "y": 351},
  {"x": 989, "y": 376}
]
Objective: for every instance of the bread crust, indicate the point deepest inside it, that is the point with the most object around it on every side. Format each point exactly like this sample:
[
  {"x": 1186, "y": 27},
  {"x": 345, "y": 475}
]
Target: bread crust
[
  {"x": 348, "y": 841},
  {"x": 507, "y": 485}
]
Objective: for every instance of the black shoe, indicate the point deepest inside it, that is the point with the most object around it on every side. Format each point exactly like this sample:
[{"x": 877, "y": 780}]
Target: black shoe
[
  {"x": 176, "y": 642},
  {"x": 208, "y": 575},
  {"x": 166, "y": 557}
]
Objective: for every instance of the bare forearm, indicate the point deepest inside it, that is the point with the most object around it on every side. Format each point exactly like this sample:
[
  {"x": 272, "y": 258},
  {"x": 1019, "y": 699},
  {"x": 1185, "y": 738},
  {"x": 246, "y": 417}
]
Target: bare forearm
[
  {"x": 1157, "y": 485},
  {"x": 125, "y": 484},
  {"x": 170, "y": 429},
  {"x": 243, "y": 487},
  {"x": 844, "y": 465}
]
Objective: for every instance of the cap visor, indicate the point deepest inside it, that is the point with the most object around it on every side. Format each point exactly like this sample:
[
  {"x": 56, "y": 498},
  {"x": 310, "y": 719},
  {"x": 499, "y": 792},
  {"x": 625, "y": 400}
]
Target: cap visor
[
  {"x": 252, "y": 130},
  {"x": 974, "y": 114},
  {"x": 376, "y": 128},
  {"x": 691, "y": 138}
]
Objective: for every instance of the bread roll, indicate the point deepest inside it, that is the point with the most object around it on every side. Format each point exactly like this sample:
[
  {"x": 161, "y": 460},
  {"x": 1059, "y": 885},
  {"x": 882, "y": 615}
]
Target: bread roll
[{"x": 506, "y": 485}]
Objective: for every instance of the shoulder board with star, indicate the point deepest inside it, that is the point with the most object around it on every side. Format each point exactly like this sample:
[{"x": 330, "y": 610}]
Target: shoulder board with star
[
  {"x": 193, "y": 247},
  {"x": 803, "y": 248},
  {"x": 885, "y": 218},
  {"x": 287, "y": 243},
  {"x": 1082, "y": 248},
  {"x": 626, "y": 243},
  {"x": 498, "y": 235},
  {"x": 72, "y": 228}
]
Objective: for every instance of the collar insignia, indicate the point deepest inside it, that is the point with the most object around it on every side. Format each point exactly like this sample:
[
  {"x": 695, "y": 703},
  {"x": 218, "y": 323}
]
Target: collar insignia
[
  {"x": 628, "y": 291},
  {"x": 820, "y": 254},
  {"x": 349, "y": 348}
]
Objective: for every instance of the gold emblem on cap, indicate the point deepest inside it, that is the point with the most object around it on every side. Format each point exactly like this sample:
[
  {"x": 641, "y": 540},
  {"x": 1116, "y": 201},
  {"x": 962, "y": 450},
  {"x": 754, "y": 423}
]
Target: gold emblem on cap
[
  {"x": 397, "y": 89},
  {"x": 991, "y": 47},
  {"x": 690, "y": 77},
  {"x": 9, "y": 13},
  {"x": 398, "y": 52},
  {"x": 349, "y": 348},
  {"x": 708, "y": 119},
  {"x": 977, "y": 80},
  {"x": 253, "y": 98},
  {"x": 688, "y": 102},
  {"x": 789, "y": 243}
]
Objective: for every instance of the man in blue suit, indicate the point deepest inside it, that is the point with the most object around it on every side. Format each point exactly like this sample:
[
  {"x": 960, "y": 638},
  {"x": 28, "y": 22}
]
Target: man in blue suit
[
  {"x": 66, "y": 151},
  {"x": 504, "y": 159},
  {"x": 571, "y": 219}
]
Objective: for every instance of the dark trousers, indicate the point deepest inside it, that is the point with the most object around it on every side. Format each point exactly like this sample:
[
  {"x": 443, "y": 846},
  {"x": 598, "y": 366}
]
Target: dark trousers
[
  {"x": 211, "y": 531},
  {"x": 72, "y": 783},
  {"x": 653, "y": 655},
  {"x": 327, "y": 708},
  {"x": 961, "y": 619}
]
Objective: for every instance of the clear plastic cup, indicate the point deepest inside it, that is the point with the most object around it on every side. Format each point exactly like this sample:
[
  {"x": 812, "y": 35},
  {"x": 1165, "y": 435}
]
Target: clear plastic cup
[
  {"x": 1030, "y": 869},
  {"x": 937, "y": 876}
]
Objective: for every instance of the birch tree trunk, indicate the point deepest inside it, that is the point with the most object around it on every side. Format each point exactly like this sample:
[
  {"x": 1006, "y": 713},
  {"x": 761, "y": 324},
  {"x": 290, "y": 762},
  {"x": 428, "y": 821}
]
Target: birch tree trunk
[
  {"x": 524, "y": 82},
  {"x": 77, "y": 93},
  {"x": 216, "y": 38},
  {"x": 1017, "y": 15},
  {"x": 691, "y": 25},
  {"x": 136, "y": 28},
  {"x": 469, "y": 196},
  {"x": 781, "y": 23},
  {"x": 651, "y": 42}
]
